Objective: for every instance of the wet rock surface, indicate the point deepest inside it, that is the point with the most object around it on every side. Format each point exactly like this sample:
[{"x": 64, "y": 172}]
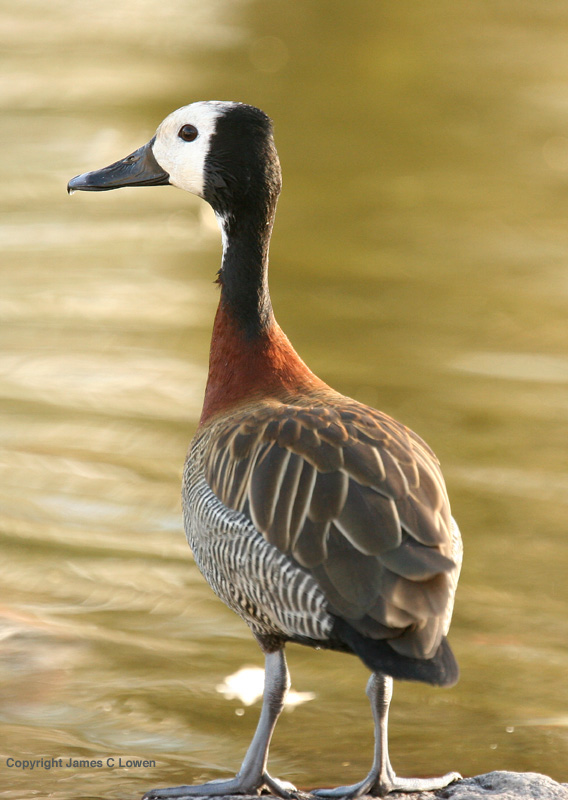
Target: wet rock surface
[{"x": 499, "y": 785}]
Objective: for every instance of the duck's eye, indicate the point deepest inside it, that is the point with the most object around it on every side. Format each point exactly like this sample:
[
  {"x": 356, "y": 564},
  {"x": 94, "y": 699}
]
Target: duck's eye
[{"x": 188, "y": 133}]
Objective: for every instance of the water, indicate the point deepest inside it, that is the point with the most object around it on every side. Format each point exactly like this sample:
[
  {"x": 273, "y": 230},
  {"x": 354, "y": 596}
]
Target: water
[{"x": 419, "y": 263}]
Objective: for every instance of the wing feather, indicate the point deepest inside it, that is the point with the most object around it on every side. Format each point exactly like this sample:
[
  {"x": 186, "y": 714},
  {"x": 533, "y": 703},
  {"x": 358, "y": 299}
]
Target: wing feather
[
  {"x": 422, "y": 599},
  {"x": 369, "y": 520},
  {"x": 302, "y": 500},
  {"x": 419, "y": 639},
  {"x": 265, "y": 482},
  {"x": 329, "y": 495},
  {"x": 416, "y": 562},
  {"x": 357, "y": 578},
  {"x": 310, "y": 548},
  {"x": 286, "y": 500},
  {"x": 364, "y": 464}
]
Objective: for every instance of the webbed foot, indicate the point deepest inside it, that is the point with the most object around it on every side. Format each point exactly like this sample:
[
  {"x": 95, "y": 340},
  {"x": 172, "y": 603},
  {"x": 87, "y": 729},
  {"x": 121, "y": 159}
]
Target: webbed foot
[
  {"x": 246, "y": 785},
  {"x": 377, "y": 785}
]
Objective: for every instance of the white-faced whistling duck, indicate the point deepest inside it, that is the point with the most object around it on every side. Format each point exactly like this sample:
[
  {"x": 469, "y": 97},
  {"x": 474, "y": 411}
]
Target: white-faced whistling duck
[{"x": 317, "y": 519}]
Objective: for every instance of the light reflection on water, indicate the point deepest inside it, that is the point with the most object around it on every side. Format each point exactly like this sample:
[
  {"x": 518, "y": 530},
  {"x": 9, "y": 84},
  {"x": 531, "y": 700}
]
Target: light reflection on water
[
  {"x": 419, "y": 264},
  {"x": 247, "y": 685}
]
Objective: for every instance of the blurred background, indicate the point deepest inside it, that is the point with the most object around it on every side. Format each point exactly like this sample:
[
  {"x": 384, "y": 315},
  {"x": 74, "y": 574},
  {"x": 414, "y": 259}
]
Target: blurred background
[{"x": 419, "y": 264}]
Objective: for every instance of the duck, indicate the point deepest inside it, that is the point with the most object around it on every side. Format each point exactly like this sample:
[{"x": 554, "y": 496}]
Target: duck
[{"x": 319, "y": 520}]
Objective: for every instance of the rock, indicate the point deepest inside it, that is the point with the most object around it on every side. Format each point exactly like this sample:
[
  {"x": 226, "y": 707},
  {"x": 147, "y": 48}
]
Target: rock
[
  {"x": 496, "y": 786},
  {"x": 492, "y": 786}
]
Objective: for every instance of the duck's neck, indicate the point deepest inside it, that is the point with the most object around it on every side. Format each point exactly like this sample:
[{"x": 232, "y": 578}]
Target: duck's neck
[
  {"x": 250, "y": 358},
  {"x": 243, "y": 276}
]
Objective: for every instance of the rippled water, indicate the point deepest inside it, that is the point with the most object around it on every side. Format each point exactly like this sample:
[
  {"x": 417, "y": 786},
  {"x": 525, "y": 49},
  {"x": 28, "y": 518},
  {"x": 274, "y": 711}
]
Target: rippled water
[{"x": 420, "y": 263}]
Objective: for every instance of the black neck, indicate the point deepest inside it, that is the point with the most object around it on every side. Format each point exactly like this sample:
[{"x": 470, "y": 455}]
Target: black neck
[
  {"x": 242, "y": 183},
  {"x": 244, "y": 271}
]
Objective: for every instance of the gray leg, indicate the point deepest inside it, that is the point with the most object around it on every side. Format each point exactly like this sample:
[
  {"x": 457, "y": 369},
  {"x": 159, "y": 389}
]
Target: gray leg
[
  {"x": 252, "y": 776},
  {"x": 382, "y": 778}
]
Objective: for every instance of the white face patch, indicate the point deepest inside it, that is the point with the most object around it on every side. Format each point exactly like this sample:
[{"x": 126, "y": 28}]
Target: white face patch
[{"x": 185, "y": 161}]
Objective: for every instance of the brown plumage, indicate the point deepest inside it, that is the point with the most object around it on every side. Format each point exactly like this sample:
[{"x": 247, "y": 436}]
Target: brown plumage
[
  {"x": 352, "y": 496},
  {"x": 242, "y": 368}
]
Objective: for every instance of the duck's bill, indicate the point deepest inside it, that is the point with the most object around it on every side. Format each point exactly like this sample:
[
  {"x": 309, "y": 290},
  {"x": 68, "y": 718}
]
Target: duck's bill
[{"x": 138, "y": 169}]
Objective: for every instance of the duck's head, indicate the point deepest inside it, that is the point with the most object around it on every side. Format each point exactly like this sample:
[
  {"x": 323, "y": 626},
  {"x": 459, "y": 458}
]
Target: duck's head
[{"x": 221, "y": 151}]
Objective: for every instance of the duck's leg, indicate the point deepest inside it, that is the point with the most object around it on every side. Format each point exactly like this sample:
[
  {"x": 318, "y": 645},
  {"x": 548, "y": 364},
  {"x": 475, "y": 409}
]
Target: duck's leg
[
  {"x": 252, "y": 776},
  {"x": 382, "y": 778}
]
